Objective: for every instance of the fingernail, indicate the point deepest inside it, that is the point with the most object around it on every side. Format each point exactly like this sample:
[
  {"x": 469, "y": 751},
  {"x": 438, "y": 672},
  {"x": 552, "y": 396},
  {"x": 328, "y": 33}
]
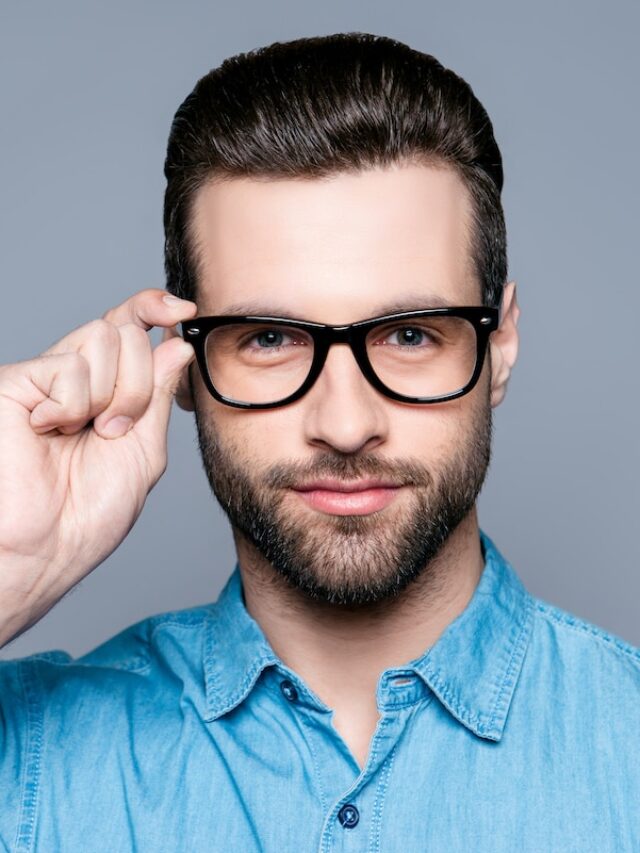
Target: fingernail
[
  {"x": 173, "y": 301},
  {"x": 117, "y": 426}
]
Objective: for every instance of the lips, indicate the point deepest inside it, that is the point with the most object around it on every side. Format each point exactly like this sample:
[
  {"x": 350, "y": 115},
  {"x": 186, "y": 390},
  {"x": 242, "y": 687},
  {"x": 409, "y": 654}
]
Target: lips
[
  {"x": 342, "y": 486},
  {"x": 337, "y": 497}
]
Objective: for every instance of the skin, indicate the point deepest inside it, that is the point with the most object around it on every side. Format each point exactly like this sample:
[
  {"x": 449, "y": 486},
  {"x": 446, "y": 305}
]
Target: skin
[
  {"x": 84, "y": 429},
  {"x": 328, "y": 251},
  {"x": 337, "y": 251}
]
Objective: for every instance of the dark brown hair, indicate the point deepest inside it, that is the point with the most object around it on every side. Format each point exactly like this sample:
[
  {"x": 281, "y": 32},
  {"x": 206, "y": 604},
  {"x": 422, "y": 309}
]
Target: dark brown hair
[{"x": 317, "y": 106}]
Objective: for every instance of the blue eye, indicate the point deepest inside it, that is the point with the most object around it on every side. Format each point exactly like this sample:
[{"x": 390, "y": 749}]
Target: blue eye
[
  {"x": 269, "y": 338},
  {"x": 410, "y": 337}
]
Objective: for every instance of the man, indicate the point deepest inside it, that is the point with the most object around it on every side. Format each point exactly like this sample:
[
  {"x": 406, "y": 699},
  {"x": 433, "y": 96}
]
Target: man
[{"x": 374, "y": 676}]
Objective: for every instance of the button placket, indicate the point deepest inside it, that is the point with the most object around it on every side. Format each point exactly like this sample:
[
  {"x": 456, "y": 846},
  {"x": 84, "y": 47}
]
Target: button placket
[{"x": 368, "y": 790}]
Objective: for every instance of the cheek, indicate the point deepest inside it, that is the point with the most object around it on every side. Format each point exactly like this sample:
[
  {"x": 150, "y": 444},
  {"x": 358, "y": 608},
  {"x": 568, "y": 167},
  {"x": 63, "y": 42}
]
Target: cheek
[
  {"x": 437, "y": 432},
  {"x": 429, "y": 434},
  {"x": 426, "y": 433},
  {"x": 261, "y": 436}
]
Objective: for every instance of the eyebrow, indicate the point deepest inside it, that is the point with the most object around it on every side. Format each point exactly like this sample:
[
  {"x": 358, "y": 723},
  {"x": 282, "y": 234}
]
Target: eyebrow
[{"x": 415, "y": 302}]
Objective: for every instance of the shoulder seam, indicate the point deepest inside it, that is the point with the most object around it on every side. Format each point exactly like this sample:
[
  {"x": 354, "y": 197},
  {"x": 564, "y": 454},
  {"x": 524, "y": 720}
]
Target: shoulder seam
[
  {"x": 171, "y": 623},
  {"x": 143, "y": 662},
  {"x": 582, "y": 626},
  {"x": 140, "y": 660}
]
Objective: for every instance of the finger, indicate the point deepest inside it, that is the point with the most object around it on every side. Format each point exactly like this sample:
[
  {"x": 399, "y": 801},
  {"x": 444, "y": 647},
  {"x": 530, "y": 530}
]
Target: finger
[
  {"x": 170, "y": 332},
  {"x": 99, "y": 343},
  {"x": 183, "y": 395},
  {"x": 101, "y": 349},
  {"x": 145, "y": 309},
  {"x": 56, "y": 391},
  {"x": 95, "y": 332},
  {"x": 170, "y": 358},
  {"x": 133, "y": 385},
  {"x": 151, "y": 307}
]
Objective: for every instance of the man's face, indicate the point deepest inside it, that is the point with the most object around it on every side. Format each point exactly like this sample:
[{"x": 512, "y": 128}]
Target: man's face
[{"x": 336, "y": 251}]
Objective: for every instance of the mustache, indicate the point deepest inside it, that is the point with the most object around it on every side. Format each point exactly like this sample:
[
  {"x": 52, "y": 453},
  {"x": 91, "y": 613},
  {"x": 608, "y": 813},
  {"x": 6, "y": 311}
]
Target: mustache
[{"x": 407, "y": 472}]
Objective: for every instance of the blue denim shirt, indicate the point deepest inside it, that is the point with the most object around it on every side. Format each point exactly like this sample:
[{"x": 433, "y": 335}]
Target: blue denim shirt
[{"x": 518, "y": 730}]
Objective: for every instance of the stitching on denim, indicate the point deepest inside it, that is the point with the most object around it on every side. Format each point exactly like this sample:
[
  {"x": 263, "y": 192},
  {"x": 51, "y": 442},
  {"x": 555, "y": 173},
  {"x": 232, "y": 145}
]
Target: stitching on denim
[
  {"x": 139, "y": 663},
  {"x": 175, "y": 623},
  {"x": 384, "y": 723},
  {"x": 53, "y": 656},
  {"x": 327, "y": 827},
  {"x": 376, "y": 817},
  {"x": 462, "y": 710},
  {"x": 453, "y": 702},
  {"x": 212, "y": 680},
  {"x": 142, "y": 663},
  {"x": 249, "y": 679},
  {"x": 188, "y": 618},
  {"x": 137, "y": 666},
  {"x": 171, "y": 624},
  {"x": 248, "y": 682},
  {"x": 408, "y": 704},
  {"x": 314, "y": 758},
  {"x": 211, "y": 677},
  {"x": 580, "y": 626},
  {"x": 31, "y": 776},
  {"x": 516, "y": 658}
]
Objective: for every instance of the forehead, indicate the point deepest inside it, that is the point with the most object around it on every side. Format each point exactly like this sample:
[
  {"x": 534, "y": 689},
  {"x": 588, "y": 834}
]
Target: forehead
[{"x": 335, "y": 249}]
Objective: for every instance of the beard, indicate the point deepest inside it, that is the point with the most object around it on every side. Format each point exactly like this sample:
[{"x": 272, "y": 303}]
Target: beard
[{"x": 352, "y": 561}]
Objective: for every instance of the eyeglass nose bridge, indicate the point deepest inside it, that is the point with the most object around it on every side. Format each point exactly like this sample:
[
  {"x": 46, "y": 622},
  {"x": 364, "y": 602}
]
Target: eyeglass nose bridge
[
  {"x": 348, "y": 335},
  {"x": 338, "y": 335}
]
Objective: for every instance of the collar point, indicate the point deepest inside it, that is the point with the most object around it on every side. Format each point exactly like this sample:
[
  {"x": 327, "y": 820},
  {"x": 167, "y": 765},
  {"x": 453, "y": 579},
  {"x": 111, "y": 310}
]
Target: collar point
[{"x": 494, "y": 733}]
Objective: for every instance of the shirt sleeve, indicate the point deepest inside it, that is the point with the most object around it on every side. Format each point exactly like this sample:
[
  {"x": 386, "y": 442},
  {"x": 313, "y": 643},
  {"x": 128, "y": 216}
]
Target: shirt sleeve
[{"x": 20, "y": 751}]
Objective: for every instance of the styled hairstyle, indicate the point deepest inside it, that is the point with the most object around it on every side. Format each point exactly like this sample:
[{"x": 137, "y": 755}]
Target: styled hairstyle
[{"x": 313, "y": 107}]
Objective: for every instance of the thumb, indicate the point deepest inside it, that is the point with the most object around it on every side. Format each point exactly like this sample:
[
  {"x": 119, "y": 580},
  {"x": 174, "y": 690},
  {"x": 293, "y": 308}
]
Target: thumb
[{"x": 170, "y": 358}]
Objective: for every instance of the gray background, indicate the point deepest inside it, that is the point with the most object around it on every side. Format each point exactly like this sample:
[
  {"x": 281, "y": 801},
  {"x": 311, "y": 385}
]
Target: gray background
[{"x": 87, "y": 94}]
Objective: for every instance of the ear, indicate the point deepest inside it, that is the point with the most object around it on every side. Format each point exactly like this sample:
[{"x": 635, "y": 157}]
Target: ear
[
  {"x": 183, "y": 392},
  {"x": 504, "y": 344}
]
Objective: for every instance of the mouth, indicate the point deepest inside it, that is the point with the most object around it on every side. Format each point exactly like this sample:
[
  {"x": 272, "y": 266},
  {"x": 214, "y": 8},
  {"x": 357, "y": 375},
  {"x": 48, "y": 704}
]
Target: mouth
[{"x": 337, "y": 497}]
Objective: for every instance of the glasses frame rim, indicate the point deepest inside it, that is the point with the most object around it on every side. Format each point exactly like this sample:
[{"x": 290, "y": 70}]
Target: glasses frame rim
[{"x": 484, "y": 319}]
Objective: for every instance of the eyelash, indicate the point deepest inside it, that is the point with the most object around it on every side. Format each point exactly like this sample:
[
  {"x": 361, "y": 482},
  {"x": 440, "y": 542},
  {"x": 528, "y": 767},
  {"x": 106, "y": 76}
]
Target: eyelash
[{"x": 256, "y": 335}]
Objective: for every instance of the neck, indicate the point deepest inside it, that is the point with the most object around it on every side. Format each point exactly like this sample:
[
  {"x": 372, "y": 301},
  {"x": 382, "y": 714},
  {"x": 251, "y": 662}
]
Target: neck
[{"x": 341, "y": 652}]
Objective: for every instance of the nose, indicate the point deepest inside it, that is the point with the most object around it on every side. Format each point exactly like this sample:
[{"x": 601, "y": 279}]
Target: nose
[{"x": 343, "y": 411}]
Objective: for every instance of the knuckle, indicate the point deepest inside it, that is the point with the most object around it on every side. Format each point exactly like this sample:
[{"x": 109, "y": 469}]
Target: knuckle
[
  {"x": 148, "y": 293},
  {"x": 143, "y": 300},
  {"x": 74, "y": 407},
  {"x": 140, "y": 308},
  {"x": 101, "y": 401},
  {"x": 75, "y": 414},
  {"x": 74, "y": 362},
  {"x": 103, "y": 331},
  {"x": 134, "y": 332}
]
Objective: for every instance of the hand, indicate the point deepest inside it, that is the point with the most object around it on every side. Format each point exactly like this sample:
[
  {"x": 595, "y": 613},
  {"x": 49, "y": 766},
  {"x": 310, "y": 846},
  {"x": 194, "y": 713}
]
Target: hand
[{"x": 74, "y": 475}]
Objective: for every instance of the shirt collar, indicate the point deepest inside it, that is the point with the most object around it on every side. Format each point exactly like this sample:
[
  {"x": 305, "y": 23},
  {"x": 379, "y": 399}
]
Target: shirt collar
[
  {"x": 236, "y": 650},
  {"x": 472, "y": 668},
  {"x": 474, "y": 665}
]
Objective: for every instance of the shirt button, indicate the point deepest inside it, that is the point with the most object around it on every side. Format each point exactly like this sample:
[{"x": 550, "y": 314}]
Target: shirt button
[
  {"x": 348, "y": 816},
  {"x": 288, "y": 690}
]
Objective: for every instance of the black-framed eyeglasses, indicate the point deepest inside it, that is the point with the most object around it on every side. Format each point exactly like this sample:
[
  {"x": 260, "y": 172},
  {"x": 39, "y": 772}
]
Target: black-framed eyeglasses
[{"x": 257, "y": 362}]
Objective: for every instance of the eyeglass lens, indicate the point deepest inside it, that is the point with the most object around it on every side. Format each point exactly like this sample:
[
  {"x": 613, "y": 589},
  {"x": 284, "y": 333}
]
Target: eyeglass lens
[{"x": 266, "y": 362}]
